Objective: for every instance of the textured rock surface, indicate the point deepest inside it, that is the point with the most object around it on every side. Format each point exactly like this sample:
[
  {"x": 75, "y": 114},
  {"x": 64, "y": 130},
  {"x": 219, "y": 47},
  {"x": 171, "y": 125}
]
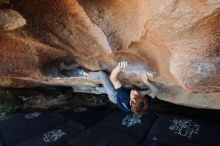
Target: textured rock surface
[
  {"x": 178, "y": 40},
  {"x": 10, "y": 19}
]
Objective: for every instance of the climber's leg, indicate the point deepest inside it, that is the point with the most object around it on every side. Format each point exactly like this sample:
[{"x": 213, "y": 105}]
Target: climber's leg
[{"x": 100, "y": 75}]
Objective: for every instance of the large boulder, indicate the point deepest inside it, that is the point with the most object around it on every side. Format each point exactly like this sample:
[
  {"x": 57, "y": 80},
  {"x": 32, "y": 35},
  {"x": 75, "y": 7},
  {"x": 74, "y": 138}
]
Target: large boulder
[{"x": 177, "y": 41}]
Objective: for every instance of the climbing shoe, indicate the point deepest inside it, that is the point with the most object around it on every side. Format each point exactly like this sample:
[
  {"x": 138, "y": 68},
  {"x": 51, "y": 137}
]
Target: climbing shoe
[{"x": 74, "y": 72}]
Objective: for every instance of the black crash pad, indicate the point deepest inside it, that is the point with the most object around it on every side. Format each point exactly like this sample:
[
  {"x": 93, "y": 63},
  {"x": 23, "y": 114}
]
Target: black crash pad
[
  {"x": 117, "y": 129},
  {"x": 133, "y": 124},
  {"x": 86, "y": 116},
  {"x": 27, "y": 125},
  {"x": 99, "y": 136},
  {"x": 184, "y": 131},
  {"x": 56, "y": 136}
]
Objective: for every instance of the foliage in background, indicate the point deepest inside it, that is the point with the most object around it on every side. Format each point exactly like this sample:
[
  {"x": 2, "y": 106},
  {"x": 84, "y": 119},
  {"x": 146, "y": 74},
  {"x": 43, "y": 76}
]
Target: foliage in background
[{"x": 6, "y": 102}]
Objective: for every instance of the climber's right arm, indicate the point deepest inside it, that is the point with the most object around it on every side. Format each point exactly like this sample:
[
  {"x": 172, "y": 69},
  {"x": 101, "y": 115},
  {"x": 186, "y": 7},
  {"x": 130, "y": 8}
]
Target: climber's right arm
[{"x": 114, "y": 74}]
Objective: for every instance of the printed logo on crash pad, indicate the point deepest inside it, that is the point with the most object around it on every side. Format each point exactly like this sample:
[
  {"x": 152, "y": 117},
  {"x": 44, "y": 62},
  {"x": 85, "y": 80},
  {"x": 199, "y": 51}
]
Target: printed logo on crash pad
[
  {"x": 184, "y": 128},
  {"x": 80, "y": 109},
  {"x": 131, "y": 120},
  {"x": 53, "y": 135},
  {"x": 32, "y": 115}
]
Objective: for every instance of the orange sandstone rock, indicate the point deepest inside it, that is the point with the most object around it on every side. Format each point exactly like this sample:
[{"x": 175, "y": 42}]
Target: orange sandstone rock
[{"x": 178, "y": 41}]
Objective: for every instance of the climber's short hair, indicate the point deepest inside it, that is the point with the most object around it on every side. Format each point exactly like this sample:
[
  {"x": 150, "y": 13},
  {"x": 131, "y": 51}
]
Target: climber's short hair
[{"x": 140, "y": 105}]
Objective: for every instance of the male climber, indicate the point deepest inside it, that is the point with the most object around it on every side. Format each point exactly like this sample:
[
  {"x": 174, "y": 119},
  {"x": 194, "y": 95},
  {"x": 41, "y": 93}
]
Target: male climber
[{"x": 127, "y": 100}]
